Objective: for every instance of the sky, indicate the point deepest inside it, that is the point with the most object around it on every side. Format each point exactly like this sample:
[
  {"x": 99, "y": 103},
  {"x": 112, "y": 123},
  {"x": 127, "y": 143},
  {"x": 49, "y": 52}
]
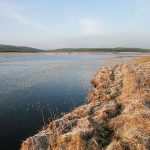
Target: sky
[{"x": 51, "y": 24}]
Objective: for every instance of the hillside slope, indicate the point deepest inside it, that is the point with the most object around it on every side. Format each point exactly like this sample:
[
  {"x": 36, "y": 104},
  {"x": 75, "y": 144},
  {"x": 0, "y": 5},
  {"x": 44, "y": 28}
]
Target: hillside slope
[
  {"x": 11, "y": 48},
  {"x": 116, "y": 117},
  {"x": 98, "y": 50}
]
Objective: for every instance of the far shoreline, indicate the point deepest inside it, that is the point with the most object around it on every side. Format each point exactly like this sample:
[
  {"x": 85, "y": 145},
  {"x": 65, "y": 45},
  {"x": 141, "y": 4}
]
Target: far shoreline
[{"x": 82, "y": 53}]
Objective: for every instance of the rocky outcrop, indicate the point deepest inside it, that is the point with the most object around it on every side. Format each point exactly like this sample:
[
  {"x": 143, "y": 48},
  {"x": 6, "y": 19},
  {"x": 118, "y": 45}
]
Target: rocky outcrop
[{"x": 116, "y": 117}]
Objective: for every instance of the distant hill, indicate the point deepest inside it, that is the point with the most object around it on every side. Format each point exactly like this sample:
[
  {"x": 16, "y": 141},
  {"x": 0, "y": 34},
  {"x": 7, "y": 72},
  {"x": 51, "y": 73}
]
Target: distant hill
[
  {"x": 70, "y": 50},
  {"x": 11, "y": 48}
]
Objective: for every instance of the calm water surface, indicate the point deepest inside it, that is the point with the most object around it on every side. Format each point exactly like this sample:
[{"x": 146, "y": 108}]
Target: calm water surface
[{"x": 36, "y": 84}]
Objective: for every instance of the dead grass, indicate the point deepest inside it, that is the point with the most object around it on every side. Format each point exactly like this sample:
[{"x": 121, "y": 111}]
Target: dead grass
[{"x": 143, "y": 59}]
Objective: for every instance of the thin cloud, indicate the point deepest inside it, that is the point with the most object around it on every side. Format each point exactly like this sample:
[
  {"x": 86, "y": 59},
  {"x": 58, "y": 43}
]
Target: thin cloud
[
  {"x": 146, "y": 9},
  {"x": 90, "y": 27},
  {"x": 8, "y": 12}
]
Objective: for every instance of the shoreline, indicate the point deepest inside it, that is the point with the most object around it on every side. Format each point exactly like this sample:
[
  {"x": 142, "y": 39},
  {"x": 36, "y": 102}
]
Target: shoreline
[
  {"x": 119, "y": 93},
  {"x": 82, "y": 53}
]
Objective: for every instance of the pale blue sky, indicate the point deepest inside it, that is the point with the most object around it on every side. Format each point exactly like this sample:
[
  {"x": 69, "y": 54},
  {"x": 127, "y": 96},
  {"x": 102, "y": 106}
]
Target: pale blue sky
[{"x": 52, "y": 24}]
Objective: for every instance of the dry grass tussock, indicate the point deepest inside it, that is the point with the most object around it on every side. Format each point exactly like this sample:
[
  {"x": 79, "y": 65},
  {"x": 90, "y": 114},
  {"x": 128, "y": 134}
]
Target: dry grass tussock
[{"x": 117, "y": 116}]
